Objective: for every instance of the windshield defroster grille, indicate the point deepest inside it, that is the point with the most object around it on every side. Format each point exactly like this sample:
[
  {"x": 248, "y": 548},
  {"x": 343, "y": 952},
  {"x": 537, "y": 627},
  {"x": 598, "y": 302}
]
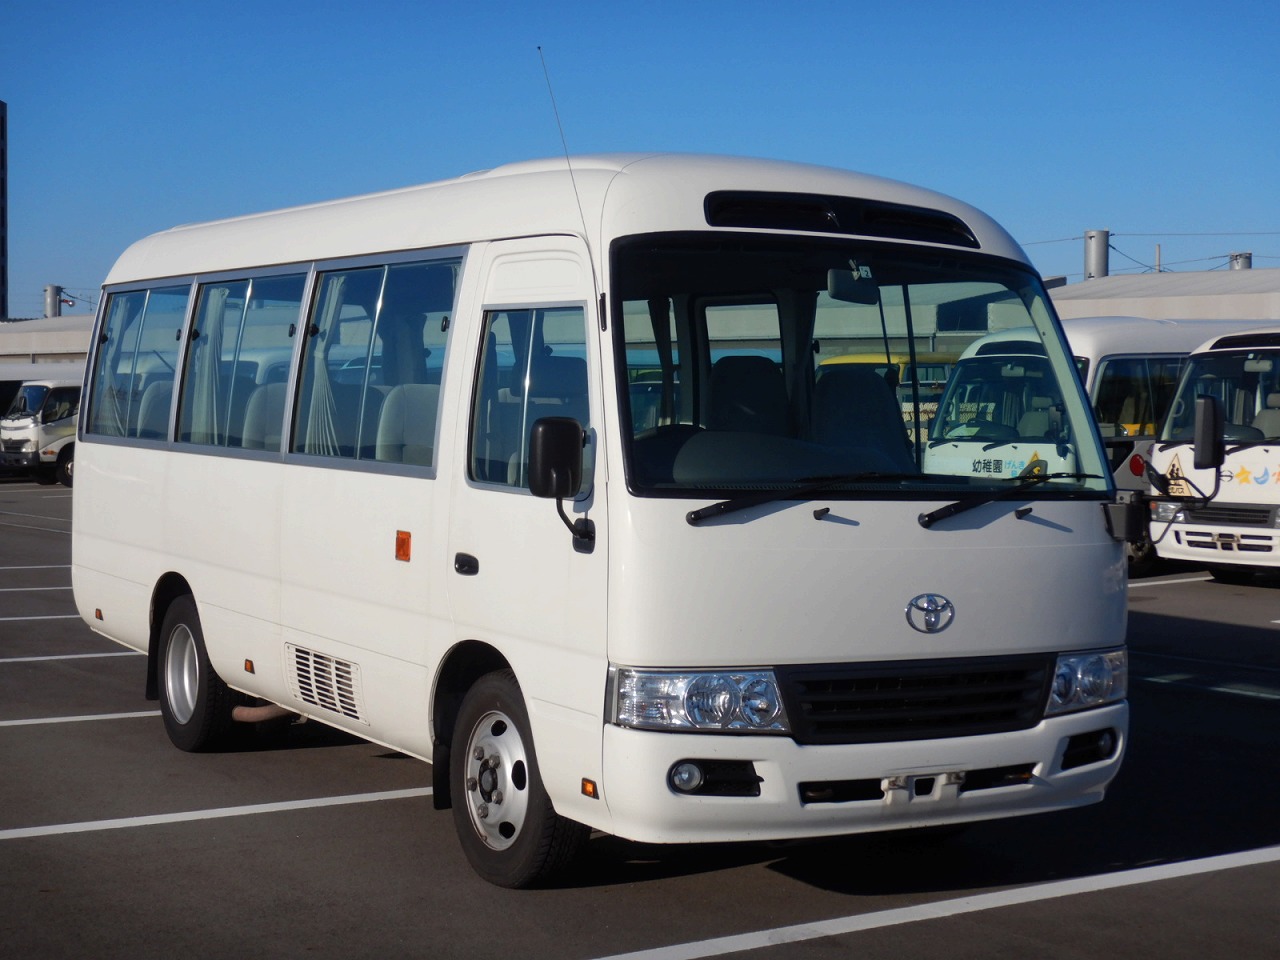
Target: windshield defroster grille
[{"x": 915, "y": 700}]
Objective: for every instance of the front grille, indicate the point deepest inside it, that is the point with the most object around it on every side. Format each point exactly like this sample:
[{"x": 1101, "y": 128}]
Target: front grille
[
  {"x": 915, "y": 699},
  {"x": 12, "y": 446},
  {"x": 1234, "y": 515}
]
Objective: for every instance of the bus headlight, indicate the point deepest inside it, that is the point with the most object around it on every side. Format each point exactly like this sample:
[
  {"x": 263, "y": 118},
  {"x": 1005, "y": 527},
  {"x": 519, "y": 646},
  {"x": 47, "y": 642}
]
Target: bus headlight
[
  {"x": 1167, "y": 512},
  {"x": 721, "y": 701},
  {"x": 1085, "y": 680}
]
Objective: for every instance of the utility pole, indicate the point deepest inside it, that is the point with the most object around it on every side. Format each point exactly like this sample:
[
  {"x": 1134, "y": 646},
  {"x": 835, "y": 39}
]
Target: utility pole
[
  {"x": 1097, "y": 253},
  {"x": 53, "y": 300}
]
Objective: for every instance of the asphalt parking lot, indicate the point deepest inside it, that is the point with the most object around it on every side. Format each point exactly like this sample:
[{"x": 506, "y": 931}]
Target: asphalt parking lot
[{"x": 115, "y": 844}]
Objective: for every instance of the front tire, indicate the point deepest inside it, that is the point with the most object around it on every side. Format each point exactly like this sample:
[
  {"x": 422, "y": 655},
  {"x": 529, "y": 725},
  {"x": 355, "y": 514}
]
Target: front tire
[
  {"x": 65, "y": 465},
  {"x": 1235, "y": 576},
  {"x": 509, "y": 830},
  {"x": 194, "y": 701}
]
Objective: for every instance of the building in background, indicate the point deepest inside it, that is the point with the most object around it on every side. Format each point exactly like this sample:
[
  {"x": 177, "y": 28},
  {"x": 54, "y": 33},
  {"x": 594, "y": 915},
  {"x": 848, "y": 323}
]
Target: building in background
[
  {"x": 4, "y": 210},
  {"x": 1237, "y": 294},
  {"x": 49, "y": 340}
]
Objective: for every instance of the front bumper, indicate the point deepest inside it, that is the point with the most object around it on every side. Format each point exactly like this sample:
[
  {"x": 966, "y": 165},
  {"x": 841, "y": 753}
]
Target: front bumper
[
  {"x": 20, "y": 461},
  {"x": 1214, "y": 544},
  {"x": 918, "y": 783}
]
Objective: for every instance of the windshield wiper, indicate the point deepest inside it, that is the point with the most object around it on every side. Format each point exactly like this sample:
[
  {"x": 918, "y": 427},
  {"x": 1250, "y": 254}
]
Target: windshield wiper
[
  {"x": 1025, "y": 482},
  {"x": 807, "y": 487}
]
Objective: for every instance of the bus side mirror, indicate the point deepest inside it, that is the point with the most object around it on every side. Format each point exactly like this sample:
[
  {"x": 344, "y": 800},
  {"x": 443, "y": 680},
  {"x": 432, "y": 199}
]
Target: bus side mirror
[
  {"x": 1209, "y": 449},
  {"x": 555, "y": 469},
  {"x": 555, "y": 458}
]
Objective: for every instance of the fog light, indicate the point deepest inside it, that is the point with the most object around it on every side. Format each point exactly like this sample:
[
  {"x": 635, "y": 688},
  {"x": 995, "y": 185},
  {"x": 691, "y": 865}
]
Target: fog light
[
  {"x": 1087, "y": 748},
  {"x": 686, "y": 777}
]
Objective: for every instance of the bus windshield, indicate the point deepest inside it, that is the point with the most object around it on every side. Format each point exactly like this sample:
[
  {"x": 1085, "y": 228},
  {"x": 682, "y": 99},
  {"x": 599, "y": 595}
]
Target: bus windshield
[
  {"x": 1246, "y": 384},
  {"x": 748, "y": 367}
]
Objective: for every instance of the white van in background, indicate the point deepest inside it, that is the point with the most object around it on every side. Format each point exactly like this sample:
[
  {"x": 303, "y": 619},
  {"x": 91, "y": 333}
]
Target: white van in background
[
  {"x": 38, "y": 429},
  {"x": 995, "y": 410}
]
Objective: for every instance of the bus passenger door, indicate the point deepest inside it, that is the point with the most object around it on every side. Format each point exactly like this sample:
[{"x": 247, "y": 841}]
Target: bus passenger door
[{"x": 521, "y": 582}]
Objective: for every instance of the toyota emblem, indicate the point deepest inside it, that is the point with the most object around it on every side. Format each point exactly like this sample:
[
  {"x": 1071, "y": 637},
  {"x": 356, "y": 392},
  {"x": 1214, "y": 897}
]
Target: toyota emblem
[{"x": 930, "y": 613}]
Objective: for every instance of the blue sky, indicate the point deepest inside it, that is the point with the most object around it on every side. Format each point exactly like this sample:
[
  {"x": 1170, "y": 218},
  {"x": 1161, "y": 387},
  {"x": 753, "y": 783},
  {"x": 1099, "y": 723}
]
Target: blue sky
[{"x": 1159, "y": 122}]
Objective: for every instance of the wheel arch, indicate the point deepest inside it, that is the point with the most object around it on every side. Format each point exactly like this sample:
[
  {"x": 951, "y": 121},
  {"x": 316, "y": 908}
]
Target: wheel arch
[
  {"x": 168, "y": 588},
  {"x": 460, "y": 668}
]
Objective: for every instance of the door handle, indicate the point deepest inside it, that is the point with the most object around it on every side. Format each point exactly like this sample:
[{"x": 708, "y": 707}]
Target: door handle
[{"x": 466, "y": 564}]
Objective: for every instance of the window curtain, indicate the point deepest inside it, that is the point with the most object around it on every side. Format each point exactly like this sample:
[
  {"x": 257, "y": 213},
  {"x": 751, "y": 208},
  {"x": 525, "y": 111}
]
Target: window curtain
[
  {"x": 205, "y": 420},
  {"x": 322, "y": 432}
]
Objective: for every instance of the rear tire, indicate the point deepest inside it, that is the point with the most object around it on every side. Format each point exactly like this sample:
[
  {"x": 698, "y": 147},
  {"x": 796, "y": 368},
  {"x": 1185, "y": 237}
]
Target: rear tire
[
  {"x": 509, "y": 830},
  {"x": 195, "y": 703}
]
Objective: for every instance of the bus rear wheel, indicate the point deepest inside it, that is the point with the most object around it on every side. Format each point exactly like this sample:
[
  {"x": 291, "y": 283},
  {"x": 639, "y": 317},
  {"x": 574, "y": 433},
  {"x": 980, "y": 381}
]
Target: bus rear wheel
[
  {"x": 194, "y": 701},
  {"x": 509, "y": 830}
]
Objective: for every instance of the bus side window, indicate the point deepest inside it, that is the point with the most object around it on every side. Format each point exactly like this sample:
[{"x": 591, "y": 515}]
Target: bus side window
[
  {"x": 137, "y": 351},
  {"x": 240, "y": 328},
  {"x": 412, "y": 328},
  {"x": 338, "y": 402},
  {"x": 371, "y": 366},
  {"x": 532, "y": 365}
]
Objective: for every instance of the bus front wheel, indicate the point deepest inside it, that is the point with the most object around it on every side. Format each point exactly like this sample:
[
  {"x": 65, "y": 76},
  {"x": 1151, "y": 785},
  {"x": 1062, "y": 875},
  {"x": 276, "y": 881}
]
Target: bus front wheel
[
  {"x": 194, "y": 701},
  {"x": 509, "y": 830}
]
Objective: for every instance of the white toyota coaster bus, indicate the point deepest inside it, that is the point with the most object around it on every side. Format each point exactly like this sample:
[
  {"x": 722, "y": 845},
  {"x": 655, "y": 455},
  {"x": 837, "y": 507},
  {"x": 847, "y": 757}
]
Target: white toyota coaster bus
[
  {"x": 528, "y": 474},
  {"x": 1130, "y": 368},
  {"x": 1222, "y": 503}
]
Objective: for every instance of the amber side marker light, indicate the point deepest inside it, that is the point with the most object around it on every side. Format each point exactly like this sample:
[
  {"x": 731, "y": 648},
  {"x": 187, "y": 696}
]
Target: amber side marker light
[
  {"x": 248, "y": 666},
  {"x": 404, "y": 545},
  {"x": 97, "y": 613},
  {"x": 589, "y": 789}
]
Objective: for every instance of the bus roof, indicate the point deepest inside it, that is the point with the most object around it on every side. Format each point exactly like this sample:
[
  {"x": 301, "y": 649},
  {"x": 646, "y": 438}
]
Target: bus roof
[
  {"x": 1098, "y": 337},
  {"x": 614, "y": 195},
  {"x": 1254, "y": 338}
]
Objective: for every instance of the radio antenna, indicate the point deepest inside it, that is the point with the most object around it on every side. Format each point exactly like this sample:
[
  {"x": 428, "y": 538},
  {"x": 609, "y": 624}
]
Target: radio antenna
[{"x": 564, "y": 143}]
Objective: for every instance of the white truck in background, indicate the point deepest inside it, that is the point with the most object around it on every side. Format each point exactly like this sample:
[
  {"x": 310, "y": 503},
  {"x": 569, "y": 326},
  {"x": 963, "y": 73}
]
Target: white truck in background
[{"x": 38, "y": 429}]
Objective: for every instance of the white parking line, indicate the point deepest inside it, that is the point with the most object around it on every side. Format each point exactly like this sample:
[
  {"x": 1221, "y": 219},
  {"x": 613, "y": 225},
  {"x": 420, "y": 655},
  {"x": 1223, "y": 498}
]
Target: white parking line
[
  {"x": 47, "y": 566},
  {"x": 90, "y": 826},
  {"x": 27, "y": 526},
  {"x": 35, "y": 722},
  {"x": 1134, "y": 584},
  {"x": 34, "y": 516},
  {"x": 61, "y": 616},
  {"x": 72, "y": 656},
  {"x": 29, "y": 589},
  {"x": 950, "y": 908}
]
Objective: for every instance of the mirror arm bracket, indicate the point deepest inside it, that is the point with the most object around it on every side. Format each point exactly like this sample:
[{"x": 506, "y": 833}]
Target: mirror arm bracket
[{"x": 582, "y": 529}]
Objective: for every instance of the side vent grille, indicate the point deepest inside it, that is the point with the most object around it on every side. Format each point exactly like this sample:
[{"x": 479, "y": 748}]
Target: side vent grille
[{"x": 325, "y": 682}]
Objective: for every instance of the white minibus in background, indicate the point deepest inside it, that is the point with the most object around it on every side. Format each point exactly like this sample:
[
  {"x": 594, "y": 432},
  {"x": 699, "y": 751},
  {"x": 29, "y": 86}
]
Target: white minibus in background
[
  {"x": 38, "y": 429},
  {"x": 1129, "y": 366},
  {"x": 1222, "y": 507},
  {"x": 529, "y": 474}
]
